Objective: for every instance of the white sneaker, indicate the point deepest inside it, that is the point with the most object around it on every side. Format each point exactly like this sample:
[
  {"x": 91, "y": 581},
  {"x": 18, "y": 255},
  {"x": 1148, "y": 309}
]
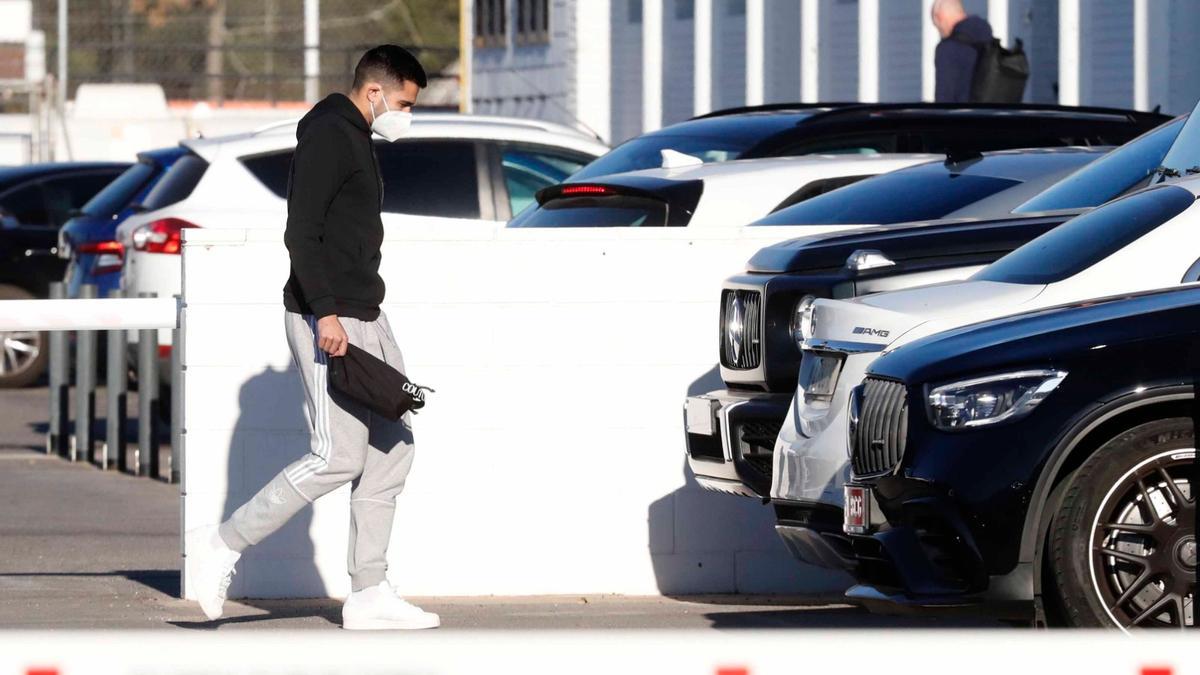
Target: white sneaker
[
  {"x": 210, "y": 568},
  {"x": 379, "y": 608}
]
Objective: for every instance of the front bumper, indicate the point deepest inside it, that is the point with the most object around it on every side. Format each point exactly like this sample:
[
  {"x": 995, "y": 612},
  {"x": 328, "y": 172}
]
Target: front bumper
[
  {"x": 731, "y": 436},
  {"x": 920, "y": 551}
]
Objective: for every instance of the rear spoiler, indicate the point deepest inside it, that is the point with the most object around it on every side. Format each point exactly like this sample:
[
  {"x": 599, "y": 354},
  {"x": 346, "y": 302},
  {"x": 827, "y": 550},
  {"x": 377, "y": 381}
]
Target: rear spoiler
[{"x": 680, "y": 196}]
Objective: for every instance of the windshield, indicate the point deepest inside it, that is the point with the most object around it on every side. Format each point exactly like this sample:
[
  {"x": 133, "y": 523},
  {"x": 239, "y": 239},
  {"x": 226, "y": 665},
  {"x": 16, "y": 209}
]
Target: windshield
[
  {"x": 1085, "y": 240},
  {"x": 1112, "y": 175},
  {"x": 891, "y": 198},
  {"x": 717, "y": 139},
  {"x": 119, "y": 193}
]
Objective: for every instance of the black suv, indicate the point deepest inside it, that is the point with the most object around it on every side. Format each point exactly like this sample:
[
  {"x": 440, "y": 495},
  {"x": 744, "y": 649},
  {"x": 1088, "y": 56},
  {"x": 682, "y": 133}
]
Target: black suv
[
  {"x": 792, "y": 129},
  {"x": 1081, "y": 494}
]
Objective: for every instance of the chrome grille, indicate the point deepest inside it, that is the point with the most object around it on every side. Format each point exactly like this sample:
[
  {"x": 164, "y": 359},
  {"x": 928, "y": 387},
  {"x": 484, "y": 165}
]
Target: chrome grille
[
  {"x": 741, "y": 329},
  {"x": 881, "y": 431}
]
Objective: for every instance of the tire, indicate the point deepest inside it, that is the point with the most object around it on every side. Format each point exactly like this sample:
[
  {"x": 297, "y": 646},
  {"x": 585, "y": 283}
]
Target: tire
[
  {"x": 1122, "y": 546},
  {"x": 17, "y": 367}
]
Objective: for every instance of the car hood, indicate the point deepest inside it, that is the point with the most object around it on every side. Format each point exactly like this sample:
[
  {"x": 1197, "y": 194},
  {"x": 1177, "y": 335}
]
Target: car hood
[{"x": 872, "y": 322}]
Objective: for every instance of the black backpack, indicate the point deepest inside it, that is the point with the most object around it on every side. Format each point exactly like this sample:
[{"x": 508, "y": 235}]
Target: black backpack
[{"x": 1000, "y": 74}]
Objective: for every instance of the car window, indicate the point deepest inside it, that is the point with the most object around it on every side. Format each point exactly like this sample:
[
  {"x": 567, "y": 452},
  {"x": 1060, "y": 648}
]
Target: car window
[
  {"x": 64, "y": 194},
  {"x": 119, "y": 193},
  {"x": 1085, "y": 240},
  {"x": 1110, "y": 176},
  {"x": 429, "y": 178},
  {"x": 607, "y": 211},
  {"x": 25, "y": 203},
  {"x": 852, "y": 144},
  {"x": 177, "y": 183},
  {"x": 271, "y": 169},
  {"x": 891, "y": 198},
  {"x": 527, "y": 170}
]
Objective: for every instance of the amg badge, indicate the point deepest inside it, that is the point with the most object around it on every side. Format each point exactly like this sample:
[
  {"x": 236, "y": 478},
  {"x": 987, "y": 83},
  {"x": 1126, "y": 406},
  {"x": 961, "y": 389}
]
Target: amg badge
[{"x": 863, "y": 330}]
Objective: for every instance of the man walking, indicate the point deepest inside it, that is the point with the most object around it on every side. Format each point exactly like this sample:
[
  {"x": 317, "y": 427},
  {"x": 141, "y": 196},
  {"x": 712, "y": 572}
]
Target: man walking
[
  {"x": 332, "y": 298},
  {"x": 955, "y": 57}
]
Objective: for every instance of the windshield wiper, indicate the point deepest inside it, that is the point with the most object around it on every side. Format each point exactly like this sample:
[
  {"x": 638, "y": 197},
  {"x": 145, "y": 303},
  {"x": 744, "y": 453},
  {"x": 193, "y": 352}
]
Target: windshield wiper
[
  {"x": 1167, "y": 172},
  {"x": 1193, "y": 170}
]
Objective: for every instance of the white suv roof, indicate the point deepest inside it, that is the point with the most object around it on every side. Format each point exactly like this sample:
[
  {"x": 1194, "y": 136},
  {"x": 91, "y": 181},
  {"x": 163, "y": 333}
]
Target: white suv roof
[{"x": 425, "y": 125}]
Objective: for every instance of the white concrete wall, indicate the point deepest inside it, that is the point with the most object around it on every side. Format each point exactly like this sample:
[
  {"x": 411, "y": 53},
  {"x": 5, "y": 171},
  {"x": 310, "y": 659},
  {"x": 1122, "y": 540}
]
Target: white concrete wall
[{"x": 551, "y": 459}]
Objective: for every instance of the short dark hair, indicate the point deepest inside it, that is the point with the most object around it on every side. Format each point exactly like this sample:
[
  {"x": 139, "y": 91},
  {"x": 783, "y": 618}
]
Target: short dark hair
[{"x": 389, "y": 62}]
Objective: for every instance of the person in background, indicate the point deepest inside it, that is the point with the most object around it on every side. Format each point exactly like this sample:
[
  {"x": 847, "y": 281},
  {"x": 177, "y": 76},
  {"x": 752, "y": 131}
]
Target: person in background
[
  {"x": 332, "y": 298},
  {"x": 956, "y": 55}
]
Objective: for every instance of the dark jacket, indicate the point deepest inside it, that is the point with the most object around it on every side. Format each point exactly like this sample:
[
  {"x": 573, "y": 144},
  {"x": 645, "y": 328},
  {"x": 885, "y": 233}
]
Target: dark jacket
[
  {"x": 334, "y": 232},
  {"x": 955, "y": 57}
]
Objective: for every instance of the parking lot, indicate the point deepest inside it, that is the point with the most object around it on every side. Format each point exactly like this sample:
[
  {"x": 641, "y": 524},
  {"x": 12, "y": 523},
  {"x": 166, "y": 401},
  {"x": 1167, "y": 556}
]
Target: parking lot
[{"x": 86, "y": 549}]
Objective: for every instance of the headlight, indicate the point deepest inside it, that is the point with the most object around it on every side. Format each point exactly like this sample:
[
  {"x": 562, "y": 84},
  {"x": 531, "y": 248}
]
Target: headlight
[
  {"x": 988, "y": 400},
  {"x": 803, "y": 319}
]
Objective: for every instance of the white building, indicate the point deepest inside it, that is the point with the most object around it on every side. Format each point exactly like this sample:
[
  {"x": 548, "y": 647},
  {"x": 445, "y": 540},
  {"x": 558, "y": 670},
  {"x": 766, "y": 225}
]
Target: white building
[{"x": 622, "y": 67}]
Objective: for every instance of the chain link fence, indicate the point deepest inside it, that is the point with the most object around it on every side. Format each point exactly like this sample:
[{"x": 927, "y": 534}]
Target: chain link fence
[{"x": 246, "y": 51}]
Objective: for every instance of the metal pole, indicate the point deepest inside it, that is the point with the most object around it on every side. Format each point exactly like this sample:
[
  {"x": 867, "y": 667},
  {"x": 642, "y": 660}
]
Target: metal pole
[
  {"x": 62, "y": 52},
  {"x": 312, "y": 55},
  {"x": 85, "y": 387},
  {"x": 56, "y": 437},
  {"x": 117, "y": 390},
  {"x": 177, "y": 376},
  {"x": 147, "y": 455}
]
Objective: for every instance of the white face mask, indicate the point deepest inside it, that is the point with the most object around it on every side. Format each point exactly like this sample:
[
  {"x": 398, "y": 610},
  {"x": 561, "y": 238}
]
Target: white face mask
[{"x": 392, "y": 124}]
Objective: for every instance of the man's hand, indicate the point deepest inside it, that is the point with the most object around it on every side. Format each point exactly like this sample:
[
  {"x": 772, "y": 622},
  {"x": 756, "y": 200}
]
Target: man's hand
[{"x": 331, "y": 337}]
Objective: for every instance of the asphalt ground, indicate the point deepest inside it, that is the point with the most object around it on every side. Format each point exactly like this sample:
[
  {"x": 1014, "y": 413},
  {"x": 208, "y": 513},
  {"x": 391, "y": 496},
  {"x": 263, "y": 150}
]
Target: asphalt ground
[{"x": 82, "y": 548}]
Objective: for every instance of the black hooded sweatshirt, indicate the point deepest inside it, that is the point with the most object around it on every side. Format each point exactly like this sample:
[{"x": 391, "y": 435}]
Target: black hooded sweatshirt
[
  {"x": 334, "y": 232},
  {"x": 954, "y": 60}
]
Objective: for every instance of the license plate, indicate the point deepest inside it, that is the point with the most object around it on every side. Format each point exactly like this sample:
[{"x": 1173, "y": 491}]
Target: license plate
[
  {"x": 858, "y": 509},
  {"x": 701, "y": 416}
]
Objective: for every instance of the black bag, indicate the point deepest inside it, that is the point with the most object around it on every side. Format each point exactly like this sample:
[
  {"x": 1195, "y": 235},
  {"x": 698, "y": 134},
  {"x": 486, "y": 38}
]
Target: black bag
[
  {"x": 375, "y": 384},
  {"x": 1000, "y": 74}
]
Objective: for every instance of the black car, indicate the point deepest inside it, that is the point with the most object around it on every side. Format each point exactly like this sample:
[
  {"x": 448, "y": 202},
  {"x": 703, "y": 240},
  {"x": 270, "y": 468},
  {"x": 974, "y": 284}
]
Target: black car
[
  {"x": 783, "y": 130},
  {"x": 35, "y": 201},
  {"x": 1081, "y": 494},
  {"x": 760, "y": 379}
]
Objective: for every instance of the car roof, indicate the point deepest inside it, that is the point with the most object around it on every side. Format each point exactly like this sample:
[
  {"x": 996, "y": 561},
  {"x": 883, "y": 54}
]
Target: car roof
[
  {"x": 425, "y": 125},
  {"x": 936, "y": 110},
  {"x": 758, "y": 169},
  {"x": 1021, "y": 165},
  {"x": 11, "y": 174}
]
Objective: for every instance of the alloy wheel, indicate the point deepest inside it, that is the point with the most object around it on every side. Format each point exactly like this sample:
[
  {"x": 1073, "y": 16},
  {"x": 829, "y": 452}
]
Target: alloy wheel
[{"x": 1143, "y": 544}]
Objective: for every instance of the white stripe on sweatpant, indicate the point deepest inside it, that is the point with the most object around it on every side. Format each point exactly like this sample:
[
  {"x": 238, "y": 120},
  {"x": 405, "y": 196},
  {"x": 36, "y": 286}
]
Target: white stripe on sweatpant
[{"x": 319, "y": 458}]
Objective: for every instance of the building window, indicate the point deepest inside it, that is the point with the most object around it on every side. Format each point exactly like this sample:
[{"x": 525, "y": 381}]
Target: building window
[
  {"x": 635, "y": 11},
  {"x": 735, "y": 8},
  {"x": 533, "y": 21},
  {"x": 685, "y": 10},
  {"x": 491, "y": 23}
]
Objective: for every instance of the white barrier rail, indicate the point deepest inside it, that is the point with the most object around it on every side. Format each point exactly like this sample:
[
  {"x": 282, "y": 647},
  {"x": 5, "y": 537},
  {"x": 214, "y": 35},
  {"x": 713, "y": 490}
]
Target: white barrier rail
[
  {"x": 88, "y": 314},
  {"x": 1000, "y": 652}
]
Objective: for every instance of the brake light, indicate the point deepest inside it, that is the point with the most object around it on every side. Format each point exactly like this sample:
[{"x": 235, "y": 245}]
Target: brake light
[
  {"x": 586, "y": 190},
  {"x": 110, "y": 255},
  {"x": 160, "y": 236}
]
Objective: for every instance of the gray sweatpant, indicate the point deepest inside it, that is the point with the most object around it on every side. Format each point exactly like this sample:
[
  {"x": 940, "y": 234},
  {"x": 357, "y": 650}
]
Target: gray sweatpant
[{"x": 349, "y": 444}]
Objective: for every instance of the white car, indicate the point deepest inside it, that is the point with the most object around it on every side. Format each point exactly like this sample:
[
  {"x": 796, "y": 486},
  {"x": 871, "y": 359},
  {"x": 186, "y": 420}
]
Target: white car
[
  {"x": 1149, "y": 239},
  {"x": 685, "y": 192},
  {"x": 450, "y": 169}
]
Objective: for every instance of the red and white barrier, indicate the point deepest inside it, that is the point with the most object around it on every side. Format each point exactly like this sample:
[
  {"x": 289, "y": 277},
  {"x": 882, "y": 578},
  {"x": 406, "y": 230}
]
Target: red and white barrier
[{"x": 1001, "y": 652}]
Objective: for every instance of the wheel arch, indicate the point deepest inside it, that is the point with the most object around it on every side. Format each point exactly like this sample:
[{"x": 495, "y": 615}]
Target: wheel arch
[{"x": 1083, "y": 438}]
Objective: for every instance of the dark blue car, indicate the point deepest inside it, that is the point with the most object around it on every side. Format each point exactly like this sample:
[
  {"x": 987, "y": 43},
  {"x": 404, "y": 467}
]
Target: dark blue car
[{"x": 89, "y": 238}]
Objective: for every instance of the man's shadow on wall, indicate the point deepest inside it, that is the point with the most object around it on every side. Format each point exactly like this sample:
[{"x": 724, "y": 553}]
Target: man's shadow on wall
[{"x": 272, "y": 431}]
